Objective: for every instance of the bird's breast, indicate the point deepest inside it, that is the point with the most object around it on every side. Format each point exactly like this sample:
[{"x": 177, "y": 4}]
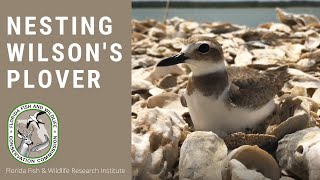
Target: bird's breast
[{"x": 209, "y": 113}]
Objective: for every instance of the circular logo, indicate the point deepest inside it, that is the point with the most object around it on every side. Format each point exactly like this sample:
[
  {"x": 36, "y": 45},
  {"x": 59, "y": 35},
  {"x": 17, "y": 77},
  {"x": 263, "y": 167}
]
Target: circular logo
[{"x": 33, "y": 133}]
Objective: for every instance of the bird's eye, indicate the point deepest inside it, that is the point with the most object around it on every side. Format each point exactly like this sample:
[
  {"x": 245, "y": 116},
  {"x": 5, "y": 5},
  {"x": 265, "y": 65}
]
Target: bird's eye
[{"x": 204, "y": 48}]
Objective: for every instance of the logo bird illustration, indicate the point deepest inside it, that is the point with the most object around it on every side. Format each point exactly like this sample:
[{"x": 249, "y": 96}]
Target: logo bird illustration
[{"x": 34, "y": 118}]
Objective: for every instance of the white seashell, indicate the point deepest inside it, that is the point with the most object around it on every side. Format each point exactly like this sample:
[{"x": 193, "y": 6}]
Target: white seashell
[
  {"x": 201, "y": 156},
  {"x": 170, "y": 101},
  {"x": 316, "y": 96},
  {"x": 296, "y": 19},
  {"x": 269, "y": 53},
  {"x": 299, "y": 153},
  {"x": 308, "y": 63},
  {"x": 244, "y": 57},
  {"x": 155, "y": 137},
  {"x": 280, "y": 27},
  {"x": 292, "y": 51},
  {"x": 238, "y": 171}
]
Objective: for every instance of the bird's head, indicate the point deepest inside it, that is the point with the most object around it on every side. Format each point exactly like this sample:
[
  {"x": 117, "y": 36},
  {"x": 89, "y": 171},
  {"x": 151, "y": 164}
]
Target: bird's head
[{"x": 202, "y": 54}]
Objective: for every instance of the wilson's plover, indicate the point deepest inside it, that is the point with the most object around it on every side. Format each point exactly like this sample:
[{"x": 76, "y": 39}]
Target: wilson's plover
[{"x": 225, "y": 99}]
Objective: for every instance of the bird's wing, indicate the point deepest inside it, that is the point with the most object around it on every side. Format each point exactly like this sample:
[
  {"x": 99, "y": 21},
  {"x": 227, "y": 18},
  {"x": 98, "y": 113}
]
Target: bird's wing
[
  {"x": 29, "y": 122},
  {"x": 39, "y": 113},
  {"x": 38, "y": 125},
  {"x": 252, "y": 89}
]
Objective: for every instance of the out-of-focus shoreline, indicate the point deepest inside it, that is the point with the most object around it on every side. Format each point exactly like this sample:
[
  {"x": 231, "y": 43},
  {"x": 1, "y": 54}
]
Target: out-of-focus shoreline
[
  {"x": 223, "y": 3},
  {"x": 248, "y": 16}
]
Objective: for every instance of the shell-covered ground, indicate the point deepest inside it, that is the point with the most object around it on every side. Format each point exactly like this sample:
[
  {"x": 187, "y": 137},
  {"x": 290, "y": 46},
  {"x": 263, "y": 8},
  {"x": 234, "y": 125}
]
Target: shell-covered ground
[{"x": 164, "y": 145}]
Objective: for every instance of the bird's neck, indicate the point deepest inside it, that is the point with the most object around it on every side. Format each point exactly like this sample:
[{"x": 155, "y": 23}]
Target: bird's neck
[
  {"x": 204, "y": 68},
  {"x": 214, "y": 83}
]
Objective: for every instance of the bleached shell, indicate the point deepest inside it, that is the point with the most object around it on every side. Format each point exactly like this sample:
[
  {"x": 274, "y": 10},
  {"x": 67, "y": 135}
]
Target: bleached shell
[
  {"x": 143, "y": 61},
  {"x": 139, "y": 79},
  {"x": 169, "y": 81},
  {"x": 313, "y": 40},
  {"x": 170, "y": 101},
  {"x": 280, "y": 27},
  {"x": 299, "y": 153},
  {"x": 156, "y": 91},
  {"x": 316, "y": 96},
  {"x": 298, "y": 91},
  {"x": 149, "y": 23},
  {"x": 156, "y": 134},
  {"x": 255, "y": 34},
  {"x": 253, "y": 158},
  {"x": 293, "y": 115},
  {"x": 268, "y": 53},
  {"x": 160, "y": 72},
  {"x": 305, "y": 82},
  {"x": 312, "y": 55},
  {"x": 306, "y": 63},
  {"x": 143, "y": 44},
  {"x": 299, "y": 73},
  {"x": 257, "y": 44},
  {"x": 292, "y": 124},
  {"x": 159, "y": 51},
  {"x": 138, "y": 26},
  {"x": 296, "y": 19},
  {"x": 201, "y": 156},
  {"x": 175, "y": 43},
  {"x": 219, "y": 28},
  {"x": 188, "y": 27},
  {"x": 292, "y": 51},
  {"x": 156, "y": 33},
  {"x": 136, "y": 36},
  {"x": 238, "y": 171},
  {"x": 266, "y": 61},
  {"x": 244, "y": 57}
]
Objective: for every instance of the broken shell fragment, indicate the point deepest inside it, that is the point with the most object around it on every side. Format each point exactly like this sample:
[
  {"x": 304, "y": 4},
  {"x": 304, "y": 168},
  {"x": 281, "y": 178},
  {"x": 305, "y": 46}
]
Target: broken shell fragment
[
  {"x": 293, "y": 115},
  {"x": 156, "y": 134},
  {"x": 299, "y": 152},
  {"x": 237, "y": 171},
  {"x": 244, "y": 57},
  {"x": 170, "y": 101},
  {"x": 316, "y": 96},
  {"x": 254, "y": 158},
  {"x": 236, "y": 140},
  {"x": 296, "y": 19}
]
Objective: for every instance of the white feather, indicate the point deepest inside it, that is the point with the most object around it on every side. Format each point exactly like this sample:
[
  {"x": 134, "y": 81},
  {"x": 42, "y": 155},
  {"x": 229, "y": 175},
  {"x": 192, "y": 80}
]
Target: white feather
[{"x": 210, "y": 114}]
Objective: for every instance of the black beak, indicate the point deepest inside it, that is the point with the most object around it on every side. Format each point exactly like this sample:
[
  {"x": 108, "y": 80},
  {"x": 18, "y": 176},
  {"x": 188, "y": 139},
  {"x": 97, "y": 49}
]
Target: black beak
[{"x": 176, "y": 59}]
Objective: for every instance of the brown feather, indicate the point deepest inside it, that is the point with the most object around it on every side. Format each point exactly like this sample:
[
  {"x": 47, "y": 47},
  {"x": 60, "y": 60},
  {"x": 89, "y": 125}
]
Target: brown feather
[
  {"x": 254, "y": 88},
  {"x": 218, "y": 82},
  {"x": 248, "y": 87}
]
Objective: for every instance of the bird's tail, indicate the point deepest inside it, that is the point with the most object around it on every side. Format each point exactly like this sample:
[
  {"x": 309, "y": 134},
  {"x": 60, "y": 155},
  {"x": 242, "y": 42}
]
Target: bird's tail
[{"x": 280, "y": 74}]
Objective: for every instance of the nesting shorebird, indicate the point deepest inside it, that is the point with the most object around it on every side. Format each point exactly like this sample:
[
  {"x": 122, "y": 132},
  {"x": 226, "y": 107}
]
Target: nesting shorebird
[{"x": 225, "y": 99}]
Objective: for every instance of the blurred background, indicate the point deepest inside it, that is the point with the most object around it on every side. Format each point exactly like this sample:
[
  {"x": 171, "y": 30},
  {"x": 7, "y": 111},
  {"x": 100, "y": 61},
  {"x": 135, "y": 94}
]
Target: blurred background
[{"x": 242, "y": 12}]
